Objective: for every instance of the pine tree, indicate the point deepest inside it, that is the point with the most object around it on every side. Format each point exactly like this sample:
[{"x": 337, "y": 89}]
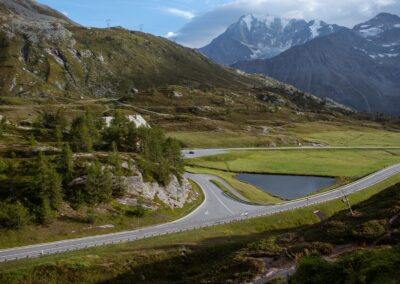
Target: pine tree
[
  {"x": 85, "y": 132},
  {"x": 119, "y": 185},
  {"x": 81, "y": 135},
  {"x": 173, "y": 154},
  {"x": 67, "y": 163},
  {"x": 45, "y": 213},
  {"x": 49, "y": 183},
  {"x": 98, "y": 186}
]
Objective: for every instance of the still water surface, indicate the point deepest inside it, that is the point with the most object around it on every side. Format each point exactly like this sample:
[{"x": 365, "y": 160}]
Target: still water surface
[{"x": 288, "y": 186}]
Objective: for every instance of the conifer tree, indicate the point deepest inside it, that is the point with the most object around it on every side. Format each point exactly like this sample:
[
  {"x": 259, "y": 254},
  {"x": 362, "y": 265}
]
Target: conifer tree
[
  {"x": 67, "y": 163},
  {"x": 98, "y": 186},
  {"x": 49, "y": 183}
]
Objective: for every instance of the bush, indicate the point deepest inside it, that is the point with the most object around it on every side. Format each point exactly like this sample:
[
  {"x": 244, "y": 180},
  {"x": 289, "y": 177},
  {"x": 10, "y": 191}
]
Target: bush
[
  {"x": 314, "y": 270},
  {"x": 370, "y": 230},
  {"x": 13, "y": 215}
]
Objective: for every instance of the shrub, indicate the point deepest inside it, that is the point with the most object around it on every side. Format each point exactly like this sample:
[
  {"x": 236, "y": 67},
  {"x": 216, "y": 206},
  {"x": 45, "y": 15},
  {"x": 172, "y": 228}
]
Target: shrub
[
  {"x": 369, "y": 230},
  {"x": 13, "y": 215}
]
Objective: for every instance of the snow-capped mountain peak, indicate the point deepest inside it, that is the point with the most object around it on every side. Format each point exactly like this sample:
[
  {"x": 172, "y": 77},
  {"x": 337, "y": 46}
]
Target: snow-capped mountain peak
[
  {"x": 260, "y": 37},
  {"x": 378, "y": 25}
]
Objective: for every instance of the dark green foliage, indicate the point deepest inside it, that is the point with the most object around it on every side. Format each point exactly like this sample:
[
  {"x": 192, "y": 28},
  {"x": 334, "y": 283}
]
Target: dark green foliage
[
  {"x": 369, "y": 230},
  {"x": 173, "y": 154},
  {"x": 3, "y": 169},
  {"x": 13, "y": 215},
  {"x": 98, "y": 187},
  {"x": 67, "y": 163},
  {"x": 161, "y": 156},
  {"x": 85, "y": 132},
  {"x": 55, "y": 121},
  {"x": 45, "y": 213},
  {"x": 48, "y": 183},
  {"x": 378, "y": 266},
  {"x": 32, "y": 140},
  {"x": 3, "y": 126},
  {"x": 52, "y": 120},
  {"x": 119, "y": 185}
]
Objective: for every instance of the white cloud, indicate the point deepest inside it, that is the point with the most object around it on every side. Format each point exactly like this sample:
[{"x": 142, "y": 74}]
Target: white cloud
[
  {"x": 171, "y": 35},
  {"x": 181, "y": 13},
  {"x": 203, "y": 28}
]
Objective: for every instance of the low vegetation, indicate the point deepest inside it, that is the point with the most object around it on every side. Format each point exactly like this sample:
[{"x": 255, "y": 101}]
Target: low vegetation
[
  {"x": 73, "y": 171},
  {"x": 232, "y": 252}
]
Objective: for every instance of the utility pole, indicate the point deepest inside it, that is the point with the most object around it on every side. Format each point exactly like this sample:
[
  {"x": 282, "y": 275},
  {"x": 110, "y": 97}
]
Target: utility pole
[
  {"x": 347, "y": 202},
  {"x": 108, "y": 21},
  {"x": 141, "y": 27}
]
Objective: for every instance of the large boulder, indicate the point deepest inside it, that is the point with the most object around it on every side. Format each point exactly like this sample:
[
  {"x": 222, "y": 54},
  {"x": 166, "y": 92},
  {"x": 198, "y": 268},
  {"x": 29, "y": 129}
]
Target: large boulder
[{"x": 175, "y": 194}]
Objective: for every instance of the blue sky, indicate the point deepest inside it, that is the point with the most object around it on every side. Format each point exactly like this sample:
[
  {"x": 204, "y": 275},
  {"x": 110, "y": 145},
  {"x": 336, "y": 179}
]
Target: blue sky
[
  {"x": 195, "y": 23},
  {"x": 157, "y": 16}
]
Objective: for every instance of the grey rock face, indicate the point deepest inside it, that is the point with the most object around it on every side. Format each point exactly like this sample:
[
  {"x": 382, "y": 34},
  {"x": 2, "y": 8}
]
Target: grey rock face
[
  {"x": 358, "y": 67},
  {"x": 174, "y": 195},
  {"x": 34, "y": 20},
  {"x": 259, "y": 38}
]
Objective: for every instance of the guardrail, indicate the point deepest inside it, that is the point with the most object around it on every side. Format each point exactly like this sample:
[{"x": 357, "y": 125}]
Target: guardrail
[
  {"x": 133, "y": 236},
  {"x": 125, "y": 239}
]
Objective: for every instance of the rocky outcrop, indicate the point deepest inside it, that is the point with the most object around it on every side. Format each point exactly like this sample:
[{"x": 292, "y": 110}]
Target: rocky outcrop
[{"x": 175, "y": 195}]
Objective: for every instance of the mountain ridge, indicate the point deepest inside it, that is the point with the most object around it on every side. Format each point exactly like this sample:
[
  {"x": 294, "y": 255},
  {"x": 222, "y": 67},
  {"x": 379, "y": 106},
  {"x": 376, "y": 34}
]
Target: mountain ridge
[
  {"x": 359, "y": 67},
  {"x": 256, "y": 37}
]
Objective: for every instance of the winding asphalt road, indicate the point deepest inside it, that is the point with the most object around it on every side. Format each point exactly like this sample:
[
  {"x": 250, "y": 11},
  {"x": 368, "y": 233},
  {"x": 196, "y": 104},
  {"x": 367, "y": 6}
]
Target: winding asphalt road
[
  {"x": 217, "y": 208},
  {"x": 196, "y": 153}
]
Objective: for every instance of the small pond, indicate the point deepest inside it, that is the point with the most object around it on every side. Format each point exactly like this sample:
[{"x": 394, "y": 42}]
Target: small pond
[{"x": 288, "y": 186}]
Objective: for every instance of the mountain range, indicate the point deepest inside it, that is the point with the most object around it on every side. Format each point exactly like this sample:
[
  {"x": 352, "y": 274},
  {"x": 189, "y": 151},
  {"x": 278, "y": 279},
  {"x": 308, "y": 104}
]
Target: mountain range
[
  {"x": 255, "y": 37},
  {"x": 359, "y": 67},
  {"x": 44, "y": 55}
]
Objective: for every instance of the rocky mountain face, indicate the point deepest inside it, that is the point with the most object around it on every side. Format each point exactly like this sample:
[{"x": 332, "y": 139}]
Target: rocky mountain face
[
  {"x": 260, "y": 38},
  {"x": 359, "y": 67},
  {"x": 44, "y": 54}
]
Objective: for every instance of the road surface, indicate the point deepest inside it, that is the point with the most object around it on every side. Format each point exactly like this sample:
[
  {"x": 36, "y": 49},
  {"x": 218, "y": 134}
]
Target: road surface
[
  {"x": 196, "y": 153},
  {"x": 217, "y": 208}
]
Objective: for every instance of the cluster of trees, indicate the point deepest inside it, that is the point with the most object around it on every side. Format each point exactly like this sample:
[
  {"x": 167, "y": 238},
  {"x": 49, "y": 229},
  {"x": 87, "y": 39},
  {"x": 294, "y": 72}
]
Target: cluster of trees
[
  {"x": 34, "y": 190},
  {"x": 159, "y": 156},
  {"x": 38, "y": 194}
]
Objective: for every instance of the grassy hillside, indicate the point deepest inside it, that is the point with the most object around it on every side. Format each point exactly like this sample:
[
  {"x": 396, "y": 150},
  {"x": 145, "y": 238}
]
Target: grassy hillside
[
  {"x": 340, "y": 163},
  {"x": 234, "y": 252}
]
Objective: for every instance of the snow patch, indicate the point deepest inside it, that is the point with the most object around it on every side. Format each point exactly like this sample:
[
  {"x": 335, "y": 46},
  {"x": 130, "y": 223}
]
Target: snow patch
[
  {"x": 370, "y": 32},
  {"x": 314, "y": 28},
  {"x": 248, "y": 20},
  {"x": 397, "y": 25}
]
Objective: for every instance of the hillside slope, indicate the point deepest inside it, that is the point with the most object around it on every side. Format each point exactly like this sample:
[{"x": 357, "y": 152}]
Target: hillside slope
[{"x": 43, "y": 53}]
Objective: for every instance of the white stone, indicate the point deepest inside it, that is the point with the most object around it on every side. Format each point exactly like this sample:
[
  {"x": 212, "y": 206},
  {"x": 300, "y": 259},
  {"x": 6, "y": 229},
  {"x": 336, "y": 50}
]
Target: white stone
[{"x": 138, "y": 120}]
